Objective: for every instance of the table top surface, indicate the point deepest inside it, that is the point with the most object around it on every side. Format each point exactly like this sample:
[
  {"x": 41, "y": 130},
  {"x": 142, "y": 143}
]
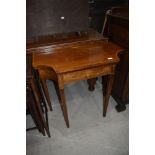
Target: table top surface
[{"x": 78, "y": 56}]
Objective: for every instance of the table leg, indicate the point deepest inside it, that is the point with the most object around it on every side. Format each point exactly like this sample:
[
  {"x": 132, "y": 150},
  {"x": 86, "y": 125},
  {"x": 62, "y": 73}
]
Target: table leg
[
  {"x": 110, "y": 79},
  {"x": 104, "y": 84},
  {"x": 91, "y": 83},
  {"x": 44, "y": 85},
  {"x": 64, "y": 106},
  {"x": 57, "y": 90}
]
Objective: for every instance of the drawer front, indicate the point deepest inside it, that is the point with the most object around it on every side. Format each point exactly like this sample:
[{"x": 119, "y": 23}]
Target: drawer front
[
  {"x": 74, "y": 76},
  {"x": 88, "y": 73},
  {"x": 99, "y": 71}
]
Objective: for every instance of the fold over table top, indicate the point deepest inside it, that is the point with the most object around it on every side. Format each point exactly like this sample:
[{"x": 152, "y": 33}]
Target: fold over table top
[{"x": 78, "y": 56}]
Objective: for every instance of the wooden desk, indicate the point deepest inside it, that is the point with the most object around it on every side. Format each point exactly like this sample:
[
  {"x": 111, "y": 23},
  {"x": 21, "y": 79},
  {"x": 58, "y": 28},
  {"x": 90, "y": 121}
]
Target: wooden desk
[{"x": 79, "y": 61}]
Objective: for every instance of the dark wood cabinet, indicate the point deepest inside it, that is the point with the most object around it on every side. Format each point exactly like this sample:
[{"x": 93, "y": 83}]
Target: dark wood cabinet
[
  {"x": 119, "y": 33},
  {"x": 97, "y": 11}
]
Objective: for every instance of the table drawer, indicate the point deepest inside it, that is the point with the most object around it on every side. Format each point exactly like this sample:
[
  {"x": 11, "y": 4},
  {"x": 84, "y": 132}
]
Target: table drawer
[
  {"x": 99, "y": 71},
  {"x": 74, "y": 76},
  {"x": 88, "y": 73}
]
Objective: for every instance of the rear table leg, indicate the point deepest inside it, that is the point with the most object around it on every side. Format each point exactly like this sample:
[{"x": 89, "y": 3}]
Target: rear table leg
[
  {"x": 107, "y": 93},
  {"x": 91, "y": 84},
  {"x": 46, "y": 93}
]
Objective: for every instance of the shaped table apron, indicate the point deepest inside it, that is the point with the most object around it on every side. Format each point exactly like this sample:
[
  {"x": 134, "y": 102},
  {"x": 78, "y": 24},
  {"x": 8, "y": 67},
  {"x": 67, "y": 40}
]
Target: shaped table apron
[{"x": 84, "y": 74}]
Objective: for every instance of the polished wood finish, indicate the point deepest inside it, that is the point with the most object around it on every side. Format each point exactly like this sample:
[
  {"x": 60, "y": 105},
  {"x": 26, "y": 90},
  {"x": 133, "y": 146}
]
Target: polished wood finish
[
  {"x": 78, "y": 56},
  {"x": 35, "y": 44},
  {"x": 79, "y": 61}
]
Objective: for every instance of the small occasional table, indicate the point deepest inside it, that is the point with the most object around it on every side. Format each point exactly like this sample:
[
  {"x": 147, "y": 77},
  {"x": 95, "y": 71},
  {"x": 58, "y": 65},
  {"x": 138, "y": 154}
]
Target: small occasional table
[{"x": 79, "y": 61}]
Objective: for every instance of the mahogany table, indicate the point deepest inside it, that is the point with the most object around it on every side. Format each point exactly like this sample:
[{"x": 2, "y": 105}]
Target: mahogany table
[{"x": 79, "y": 61}]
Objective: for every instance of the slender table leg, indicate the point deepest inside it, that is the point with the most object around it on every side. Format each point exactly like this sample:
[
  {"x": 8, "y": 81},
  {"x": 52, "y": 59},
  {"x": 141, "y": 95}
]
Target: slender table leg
[
  {"x": 57, "y": 90},
  {"x": 44, "y": 85},
  {"x": 104, "y": 84},
  {"x": 91, "y": 83},
  {"x": 64, "y": 106},
  {"x": 110, "y": 79}
]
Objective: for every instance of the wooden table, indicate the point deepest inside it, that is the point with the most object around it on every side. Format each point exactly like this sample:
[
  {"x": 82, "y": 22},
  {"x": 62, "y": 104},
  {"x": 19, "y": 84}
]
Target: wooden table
[{"x": 79, "y": 61}]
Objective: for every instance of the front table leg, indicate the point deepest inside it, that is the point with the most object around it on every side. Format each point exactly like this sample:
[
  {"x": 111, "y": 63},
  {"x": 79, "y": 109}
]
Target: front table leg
[
  {"x": 110, "y": 79},
  {"x": 61, "y": 96},
  {"x": 64, "y": 106}
]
